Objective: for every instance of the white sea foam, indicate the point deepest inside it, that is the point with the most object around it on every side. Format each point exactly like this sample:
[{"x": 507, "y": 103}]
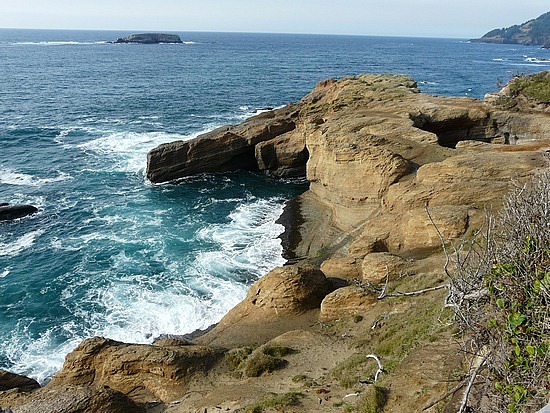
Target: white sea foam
[
  {"x": 57, "y": 43},
  {"x": 248, "y": 242},
  {"x": 126, "y": 151},
  {"x": 10, "y": 177},
  {"x": 14, "y": 248},
  {"x": 5, "y": 273},
  {"x": 536, "y": 60}
]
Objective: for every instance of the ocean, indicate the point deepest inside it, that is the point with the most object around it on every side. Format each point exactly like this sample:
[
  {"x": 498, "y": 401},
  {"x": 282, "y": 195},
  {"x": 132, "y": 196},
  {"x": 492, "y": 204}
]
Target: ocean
[{"x": 109, "y": 253}]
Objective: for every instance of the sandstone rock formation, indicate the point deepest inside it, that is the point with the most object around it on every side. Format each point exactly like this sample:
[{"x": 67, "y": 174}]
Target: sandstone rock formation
[
  {"x": 143, "y": 372},
  {"x": 392, "y": 172},
  {"x": 149, "y": 38}
]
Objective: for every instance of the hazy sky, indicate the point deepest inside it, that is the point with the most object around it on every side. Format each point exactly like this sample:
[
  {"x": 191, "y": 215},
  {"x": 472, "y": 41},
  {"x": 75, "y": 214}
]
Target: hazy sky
[{"x": 439, "y": 18}]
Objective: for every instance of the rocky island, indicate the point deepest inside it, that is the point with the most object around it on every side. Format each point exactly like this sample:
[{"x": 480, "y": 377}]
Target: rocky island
[
  {"x": 535, "y": 32},
  {"x": 150, "y": 38},
  {"x": 358, "y": 318}
]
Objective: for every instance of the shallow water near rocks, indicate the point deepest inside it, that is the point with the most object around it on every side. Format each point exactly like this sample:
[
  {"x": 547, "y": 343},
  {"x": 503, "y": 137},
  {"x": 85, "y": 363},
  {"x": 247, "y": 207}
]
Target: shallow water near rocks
[{"x": 111, "y": 254}]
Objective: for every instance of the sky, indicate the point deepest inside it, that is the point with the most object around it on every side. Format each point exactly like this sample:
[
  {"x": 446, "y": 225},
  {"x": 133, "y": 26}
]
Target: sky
[{"x": 423, "y": 18}]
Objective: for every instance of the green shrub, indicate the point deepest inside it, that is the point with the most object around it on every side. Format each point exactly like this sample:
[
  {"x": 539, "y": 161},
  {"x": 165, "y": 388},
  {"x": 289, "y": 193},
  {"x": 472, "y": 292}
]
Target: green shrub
[
  {"x": 535, "y": 86},
  {"x": 501, "y": 291},
  {"x": 373, "y": 400}
]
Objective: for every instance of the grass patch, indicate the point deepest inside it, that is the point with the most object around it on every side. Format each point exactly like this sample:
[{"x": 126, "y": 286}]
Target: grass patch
[
  {"x": 373, "y": 400},
  {"x": 266, "y": 360},
  {"x": 276, "y": 401},
  {"x": 237, "y": 356},
  {"x": 535, "y": 86},
  {"x": 277, "y": 351}
]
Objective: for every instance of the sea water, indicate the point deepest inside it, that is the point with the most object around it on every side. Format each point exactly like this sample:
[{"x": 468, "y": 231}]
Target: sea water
[{"x": 111, "y": 254}]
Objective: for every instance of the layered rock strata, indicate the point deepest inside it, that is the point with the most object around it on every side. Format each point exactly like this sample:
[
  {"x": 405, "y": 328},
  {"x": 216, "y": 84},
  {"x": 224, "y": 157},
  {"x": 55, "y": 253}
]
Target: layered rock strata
[{"x": 387, "y": 165}]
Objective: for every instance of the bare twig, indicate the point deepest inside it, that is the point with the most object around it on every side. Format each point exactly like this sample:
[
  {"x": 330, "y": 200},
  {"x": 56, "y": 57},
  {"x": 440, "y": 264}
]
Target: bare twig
[{"x": 385, "y": 289}]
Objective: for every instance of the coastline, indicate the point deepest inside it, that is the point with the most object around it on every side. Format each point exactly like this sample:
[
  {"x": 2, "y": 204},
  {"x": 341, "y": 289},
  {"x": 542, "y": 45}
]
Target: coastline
[{"x": 376, "y": 163}]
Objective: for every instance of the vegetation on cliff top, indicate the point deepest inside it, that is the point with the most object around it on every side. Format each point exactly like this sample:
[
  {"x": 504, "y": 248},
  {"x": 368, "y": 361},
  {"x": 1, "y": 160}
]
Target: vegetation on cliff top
[
  {"x": 501, "y": 292},
  {"x": 534, "y": 32}
]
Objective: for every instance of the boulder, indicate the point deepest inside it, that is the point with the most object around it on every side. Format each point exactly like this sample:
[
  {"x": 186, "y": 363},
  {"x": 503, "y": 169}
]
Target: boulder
[
  {"x": 345, "y": 301},
  {"x": 149, "y": 38},
  {"x": 142, "y": 372},
  {"x": 377, "y": 264},
  {"x": 289, "y": 289},
  {"x": 282, "y": 299},
  {"x": 9, "y": 212}
]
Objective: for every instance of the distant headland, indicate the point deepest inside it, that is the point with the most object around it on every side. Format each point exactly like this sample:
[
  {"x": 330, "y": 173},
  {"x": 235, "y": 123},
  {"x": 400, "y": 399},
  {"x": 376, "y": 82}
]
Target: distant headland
[
  {"x": 535, "y": 32},
  {"x": 149, "y": 38}
]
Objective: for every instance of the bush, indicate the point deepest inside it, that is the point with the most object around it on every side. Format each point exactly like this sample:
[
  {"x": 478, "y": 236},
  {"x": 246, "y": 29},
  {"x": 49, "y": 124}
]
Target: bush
[{"x": 500, "y": 288}]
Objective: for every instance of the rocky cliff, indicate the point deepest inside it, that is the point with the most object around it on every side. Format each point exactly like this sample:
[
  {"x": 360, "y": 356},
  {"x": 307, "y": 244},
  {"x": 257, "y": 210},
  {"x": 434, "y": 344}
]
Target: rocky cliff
[
  {"x": 535, "y": 32},
  {"x": 387, "y": 165}
]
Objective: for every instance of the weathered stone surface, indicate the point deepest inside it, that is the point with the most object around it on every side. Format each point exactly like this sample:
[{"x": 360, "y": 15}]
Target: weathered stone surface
[
  {"x": 224, "y": 149},
  {"x": 10, "y": 381},
  {"x": 150, "y": 38},
  {"x": 338, "y": 267},
  {"x": 9, "y": 212},
  {"x": 377, "y": 264},
  {"x": 284, "y": 156},
  {"x": 345, "y": 301},
  {"x": 72, "y": 399},
  {"x": 142, "y": 372}
]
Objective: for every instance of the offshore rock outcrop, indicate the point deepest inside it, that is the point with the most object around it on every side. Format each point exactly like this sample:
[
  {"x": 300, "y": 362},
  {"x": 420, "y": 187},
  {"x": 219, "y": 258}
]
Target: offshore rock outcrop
[
  {"x": 379, "y": 156},
  {"x": 10, "y": 212},
  {"x": 149, "y": 38}
]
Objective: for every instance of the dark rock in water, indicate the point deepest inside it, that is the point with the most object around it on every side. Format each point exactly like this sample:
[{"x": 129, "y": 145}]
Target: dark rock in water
[
  {"x": 10, "y": 381},
  {"x": 3, "y": 204},
  {"x": 8, "y": 212},
  {"x": 149, "y": 38}
]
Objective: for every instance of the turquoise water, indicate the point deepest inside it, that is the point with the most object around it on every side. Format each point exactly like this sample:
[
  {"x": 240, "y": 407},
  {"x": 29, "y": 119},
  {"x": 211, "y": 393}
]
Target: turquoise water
[{"x": 111, "y": 254}]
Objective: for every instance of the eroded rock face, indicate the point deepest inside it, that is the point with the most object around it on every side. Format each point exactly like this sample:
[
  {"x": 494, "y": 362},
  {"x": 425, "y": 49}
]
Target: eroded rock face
[
  {"x": 224, "y": 149},
  {"x": 285, "y": 292},
  {"x": 81, "y": 399},
  {"x": 143, "y": 372}
]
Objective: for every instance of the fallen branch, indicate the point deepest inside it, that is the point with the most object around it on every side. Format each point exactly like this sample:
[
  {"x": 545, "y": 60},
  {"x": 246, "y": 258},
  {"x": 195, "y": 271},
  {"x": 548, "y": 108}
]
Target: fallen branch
[
  {"x": 380, "y": 368},
  {"x": 426, "y": 290},
  {"x": 449, "y": 393},
  {"x": 464, "y": 402}
]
